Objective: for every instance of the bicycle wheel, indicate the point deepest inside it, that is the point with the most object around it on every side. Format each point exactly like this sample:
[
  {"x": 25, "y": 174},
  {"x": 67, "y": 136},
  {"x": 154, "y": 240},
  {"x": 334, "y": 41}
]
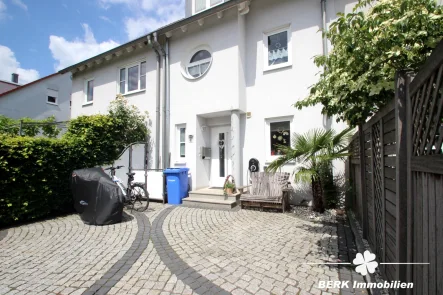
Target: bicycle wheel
[{"x": 139, "y": 198}]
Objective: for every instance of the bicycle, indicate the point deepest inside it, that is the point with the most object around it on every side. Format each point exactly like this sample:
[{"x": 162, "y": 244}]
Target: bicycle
[{"x": 134, "y": 193}]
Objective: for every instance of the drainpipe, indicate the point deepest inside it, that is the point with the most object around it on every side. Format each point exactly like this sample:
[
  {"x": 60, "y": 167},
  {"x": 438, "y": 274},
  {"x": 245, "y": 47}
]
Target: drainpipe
[
  {"x": 160, "y": 52},
  {"x": 326, "y": 118},
  {"x": 157, "y": 106},
  {"x": 324, "y": 28},
  {"x": 167, "y": 104}
]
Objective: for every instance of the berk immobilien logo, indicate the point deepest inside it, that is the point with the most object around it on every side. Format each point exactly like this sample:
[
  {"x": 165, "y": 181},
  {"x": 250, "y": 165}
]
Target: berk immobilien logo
[{"x": 364, "y": 264}]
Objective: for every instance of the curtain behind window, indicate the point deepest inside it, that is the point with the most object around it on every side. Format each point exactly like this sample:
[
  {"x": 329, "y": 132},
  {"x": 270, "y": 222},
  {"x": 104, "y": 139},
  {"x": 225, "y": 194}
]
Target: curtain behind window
[{"x": 200, "y": 5}]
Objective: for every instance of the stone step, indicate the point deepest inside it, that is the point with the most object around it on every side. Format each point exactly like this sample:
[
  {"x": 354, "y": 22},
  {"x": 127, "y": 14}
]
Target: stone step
[
  {"x": 213, "y": 194},
  {"x": 210, "y": 203}
]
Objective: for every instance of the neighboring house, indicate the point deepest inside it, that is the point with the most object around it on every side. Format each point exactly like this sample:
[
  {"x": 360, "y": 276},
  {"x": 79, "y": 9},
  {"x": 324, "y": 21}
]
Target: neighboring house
[
  {"x": 229, "y": 74},
  {"x": 48, "y": 96},
  {"x": 9, "y": 85}
]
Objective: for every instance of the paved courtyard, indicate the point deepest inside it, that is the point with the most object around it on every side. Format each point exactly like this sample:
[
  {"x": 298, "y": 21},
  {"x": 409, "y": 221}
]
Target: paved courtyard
[{"x": 170, "y": 250}]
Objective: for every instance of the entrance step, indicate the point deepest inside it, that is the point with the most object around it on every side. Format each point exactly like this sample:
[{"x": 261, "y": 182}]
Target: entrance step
[
  {"x": 211, "y": 198},
  {"x": 209, "y": 203}
]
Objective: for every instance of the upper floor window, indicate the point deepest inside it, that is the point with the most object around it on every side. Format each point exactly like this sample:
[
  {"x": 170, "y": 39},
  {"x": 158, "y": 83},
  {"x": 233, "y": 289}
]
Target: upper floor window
[
  {"x": 277, "y": 48},
  {"x": 199, "y": 63},
  {"x": 52, "y": 96},
  {"x": 132, "y": 78},
  {"x": 89, "y": 91},
  {"x": 200, "y": 5}
]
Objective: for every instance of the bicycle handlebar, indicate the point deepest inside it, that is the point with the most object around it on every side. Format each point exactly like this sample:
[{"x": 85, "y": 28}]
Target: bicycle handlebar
[{"x": 114, "y": 168}]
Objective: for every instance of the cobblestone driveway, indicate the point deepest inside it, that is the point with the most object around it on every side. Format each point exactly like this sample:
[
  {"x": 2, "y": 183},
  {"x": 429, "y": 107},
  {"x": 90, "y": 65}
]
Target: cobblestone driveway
[{"x": 170, "y": 250}]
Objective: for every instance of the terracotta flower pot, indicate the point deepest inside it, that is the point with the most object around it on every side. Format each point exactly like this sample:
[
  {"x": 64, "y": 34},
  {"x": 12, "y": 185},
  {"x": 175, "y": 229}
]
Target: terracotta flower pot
[
  {"x": 229, "y": 191},
  {"x": 340, "y": 211}
]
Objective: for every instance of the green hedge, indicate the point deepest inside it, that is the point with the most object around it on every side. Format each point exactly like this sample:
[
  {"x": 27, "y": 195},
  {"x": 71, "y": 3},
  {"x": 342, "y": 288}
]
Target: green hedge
[{"x": 35, "y": 172}]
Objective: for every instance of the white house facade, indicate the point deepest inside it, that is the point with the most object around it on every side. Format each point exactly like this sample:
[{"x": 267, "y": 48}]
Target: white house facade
[
  {"x": 48, "y": 96},
  {"x": 219, "y": 85}
]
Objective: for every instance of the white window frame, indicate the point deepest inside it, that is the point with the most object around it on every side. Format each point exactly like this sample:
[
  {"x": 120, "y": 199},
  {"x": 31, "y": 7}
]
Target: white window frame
[
  {"x": 85, "y": 101},
  {"x": 285, "y": 28},
  {"x": 52, "y": 93},
  {"x": 208, "y": 6},
  {"x": 140, "y": 76},
  {"x": 178, "y": 128},
  {"x": 268, "y": 121},
  {"x": 198, "y": 63}
]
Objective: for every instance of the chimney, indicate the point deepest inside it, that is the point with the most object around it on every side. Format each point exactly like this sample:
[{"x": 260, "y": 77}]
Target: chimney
[{"x": 14, "y": 78}]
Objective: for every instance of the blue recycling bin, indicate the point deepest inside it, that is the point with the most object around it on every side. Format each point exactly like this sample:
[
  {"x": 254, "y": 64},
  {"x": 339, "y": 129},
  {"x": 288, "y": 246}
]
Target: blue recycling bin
[{"x": 176, "y": 184}]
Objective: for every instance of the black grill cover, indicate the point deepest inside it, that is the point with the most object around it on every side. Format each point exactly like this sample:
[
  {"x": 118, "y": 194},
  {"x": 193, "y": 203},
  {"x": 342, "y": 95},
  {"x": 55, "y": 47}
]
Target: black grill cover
[{"x": 97, "y": 199}]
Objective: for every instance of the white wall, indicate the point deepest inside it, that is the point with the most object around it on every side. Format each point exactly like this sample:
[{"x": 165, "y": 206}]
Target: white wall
[
  {"x": 235, "y": 81},
  {"x": 31, "y": 100},
  {"x": 216, "y": 91},
  {"x": 106, "y": 88}
]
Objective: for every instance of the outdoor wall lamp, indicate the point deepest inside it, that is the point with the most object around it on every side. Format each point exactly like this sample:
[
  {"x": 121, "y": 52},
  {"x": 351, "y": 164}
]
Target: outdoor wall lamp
[{"x": 190, "y": 137}]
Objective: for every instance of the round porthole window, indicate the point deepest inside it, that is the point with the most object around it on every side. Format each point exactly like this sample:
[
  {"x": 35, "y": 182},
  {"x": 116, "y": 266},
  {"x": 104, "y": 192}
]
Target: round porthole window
[{"x": 199, "y": 64}]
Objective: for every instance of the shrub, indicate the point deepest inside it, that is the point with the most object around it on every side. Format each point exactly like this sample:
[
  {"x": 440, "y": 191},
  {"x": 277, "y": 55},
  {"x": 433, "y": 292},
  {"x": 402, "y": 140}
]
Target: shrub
[{"x": 35, "y": 172}]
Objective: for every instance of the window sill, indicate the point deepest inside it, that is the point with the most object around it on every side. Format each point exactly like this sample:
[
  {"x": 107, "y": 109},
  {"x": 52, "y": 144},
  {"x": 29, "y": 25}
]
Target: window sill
[
  {"x": 279, "y": 66},
  {"x": 51, "y": 103},
  {"x": 133, "y": 92},
  {"x": 87, "y": 103}
]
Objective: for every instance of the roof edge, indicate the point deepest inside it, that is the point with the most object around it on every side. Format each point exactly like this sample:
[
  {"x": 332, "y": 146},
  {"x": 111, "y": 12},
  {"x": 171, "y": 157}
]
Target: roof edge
[{"x": 161, "y": 31}]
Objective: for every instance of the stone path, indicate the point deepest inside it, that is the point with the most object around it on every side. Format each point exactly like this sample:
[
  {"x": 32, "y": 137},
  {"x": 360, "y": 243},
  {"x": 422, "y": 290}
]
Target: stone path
[{"x": 171, "y": 250}]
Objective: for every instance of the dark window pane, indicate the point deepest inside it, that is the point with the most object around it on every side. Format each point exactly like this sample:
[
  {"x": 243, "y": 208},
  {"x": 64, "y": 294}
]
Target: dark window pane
[
  {"x": 52, "y": 99},
  {"x": 213, "y": 2},
  {"x": 122, "y": 87},
  {"x": 280, "y": 135},
  {"x": 90, "y": 91},
  {"x": 194, "y": 71},
  {"x": 182, "y": 150},
  {"x": 133, "y": 78},
  {"x": 202, "y": 54},
  {"x": 122, "y": 74},
  {"x": 182, "y": 134},
  {"x": 221, "y": 145},
  {"x": 143, "y": 68},
  {"x": 278, "y": 48},
  {"x": 200, "y": 5}
]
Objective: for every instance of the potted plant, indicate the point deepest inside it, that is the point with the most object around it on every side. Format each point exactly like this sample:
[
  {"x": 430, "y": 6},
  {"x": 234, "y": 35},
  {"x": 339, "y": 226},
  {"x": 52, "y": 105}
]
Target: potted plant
[{"x": 229, "y": 187}]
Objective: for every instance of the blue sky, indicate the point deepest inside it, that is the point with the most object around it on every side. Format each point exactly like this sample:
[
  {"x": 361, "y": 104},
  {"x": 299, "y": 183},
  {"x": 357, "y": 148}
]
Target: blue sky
[{"x": 39, "y": 37}]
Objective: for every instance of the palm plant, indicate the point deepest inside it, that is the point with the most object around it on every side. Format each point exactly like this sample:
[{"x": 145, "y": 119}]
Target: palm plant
[{"x": 314, "y": 151}]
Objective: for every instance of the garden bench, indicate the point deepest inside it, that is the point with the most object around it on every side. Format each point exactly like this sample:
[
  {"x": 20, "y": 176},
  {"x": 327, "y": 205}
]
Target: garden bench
[{"x": 268, "y": 190}]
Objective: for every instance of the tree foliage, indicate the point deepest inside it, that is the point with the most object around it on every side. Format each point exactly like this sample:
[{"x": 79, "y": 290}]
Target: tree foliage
[
  {"x": 35, "y": 171},
  {"x": 368, "y": 49}
]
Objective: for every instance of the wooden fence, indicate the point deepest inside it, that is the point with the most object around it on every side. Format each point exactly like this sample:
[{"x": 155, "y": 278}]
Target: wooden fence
[{"x": 396, "y": 174}]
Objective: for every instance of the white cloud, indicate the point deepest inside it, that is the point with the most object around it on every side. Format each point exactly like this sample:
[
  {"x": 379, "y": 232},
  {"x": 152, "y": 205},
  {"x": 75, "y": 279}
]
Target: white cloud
[
  {"x": 104, "y": 18},
  {"x": 9, "y": 64},
  {"x": 20, "y": 4},
  {"x": 3, "y": 14},
  {"x": 67, "y": 53},
  {"x": 162, "y": 13},
  {"x": 148, "y": 15}
]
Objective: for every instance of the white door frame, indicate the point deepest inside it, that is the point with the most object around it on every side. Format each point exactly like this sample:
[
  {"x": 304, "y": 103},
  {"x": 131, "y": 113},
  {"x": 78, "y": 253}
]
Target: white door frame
[{"x": 219, "y": 173}]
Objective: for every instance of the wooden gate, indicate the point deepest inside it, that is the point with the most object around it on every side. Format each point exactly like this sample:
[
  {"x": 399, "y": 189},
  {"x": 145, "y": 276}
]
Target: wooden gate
[
  {"x": 396, "y": 172},
  {"x": 425, "y": 162}
]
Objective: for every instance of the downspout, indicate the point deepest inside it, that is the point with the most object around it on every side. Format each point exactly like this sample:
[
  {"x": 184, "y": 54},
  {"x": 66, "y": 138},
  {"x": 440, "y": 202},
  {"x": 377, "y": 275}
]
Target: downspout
[
  {"x": 326, "y": 118},
  {"x": 168, "y": 104},
  {"x": 324, "y": 28},
  {"x": 157, "y": 106}
]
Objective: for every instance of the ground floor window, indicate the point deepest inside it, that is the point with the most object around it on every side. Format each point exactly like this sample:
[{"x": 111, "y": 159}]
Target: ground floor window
[
  {"x": 181, "y": 140},
  {"x": 280, "y": 133}
]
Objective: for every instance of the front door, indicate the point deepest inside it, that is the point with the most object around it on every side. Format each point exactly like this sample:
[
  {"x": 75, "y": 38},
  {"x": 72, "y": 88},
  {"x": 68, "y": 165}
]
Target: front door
[{"x": 220, "y": 156}]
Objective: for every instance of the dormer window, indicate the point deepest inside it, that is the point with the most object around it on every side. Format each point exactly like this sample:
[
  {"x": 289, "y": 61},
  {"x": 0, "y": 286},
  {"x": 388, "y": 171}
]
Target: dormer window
[{"x": 201, "y": 5}]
